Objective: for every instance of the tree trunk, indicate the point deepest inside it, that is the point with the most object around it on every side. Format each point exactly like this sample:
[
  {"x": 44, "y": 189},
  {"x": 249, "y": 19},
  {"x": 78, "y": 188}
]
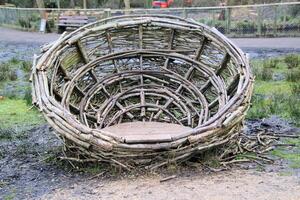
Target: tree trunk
[
  {"x": 84, "y": 4},
  {"x": 41, "y": 5},
  {"x": 72, "y": 4},
  {"x": 58, "y": 4},
  {"x": 127, "y": 4}
]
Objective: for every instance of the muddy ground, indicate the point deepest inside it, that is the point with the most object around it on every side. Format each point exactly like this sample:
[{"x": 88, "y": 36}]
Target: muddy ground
[{"x": 29, "y": 168}]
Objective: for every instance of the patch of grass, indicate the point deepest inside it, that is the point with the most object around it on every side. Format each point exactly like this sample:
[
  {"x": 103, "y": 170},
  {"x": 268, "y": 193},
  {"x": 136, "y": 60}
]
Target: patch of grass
[
  {"x": 22, "y": 149},
  {"x": 286, "y": 173},
  {"x": 28, "y": 97},
  {"x": 264, "y": 74},
  {"x": 26, "y": 66},
  {"x": 15, "y": 112},
  {"x": 10, "y": 94},
  {"x": 276, "y": 97},
  {"x": 294, "y": 108},
  {"x": 295, "y": 164},
  {"x": 13, "y": 75},
  {"x": 2, "y": 155},
  {"x": 269, "y": 87},
  {"x": 271, "y": 63},
  {"x": 295, "y": 87},
  {"x": 10, "y": 196},
  {"x": 277, "y": 64},
  {"x": 265, "y": 105},
  {"x": 280, "y": 104},
  {"x": 93, "y": 169},
  {"x": 6, "y": 134},
  {"x": 2, "y": 183},
  {"x": 292, "y": 157},
  {"x": 14, "y": 60},
  {"x": 293, "y": 75},
  {"x": 5, "y": 71},
  {"x": 292, "y": 61},
  {"x": 258, "y": 108}
]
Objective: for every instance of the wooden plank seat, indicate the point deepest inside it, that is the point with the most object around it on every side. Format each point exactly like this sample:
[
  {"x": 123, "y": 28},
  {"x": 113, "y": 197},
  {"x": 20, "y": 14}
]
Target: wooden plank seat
[
  {"x": 73, "y": 22},
  {"x": 146, "y": 132}
]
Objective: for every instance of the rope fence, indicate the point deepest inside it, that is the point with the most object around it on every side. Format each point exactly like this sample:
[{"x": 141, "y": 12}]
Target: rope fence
[{"x": 262, "y": 20}]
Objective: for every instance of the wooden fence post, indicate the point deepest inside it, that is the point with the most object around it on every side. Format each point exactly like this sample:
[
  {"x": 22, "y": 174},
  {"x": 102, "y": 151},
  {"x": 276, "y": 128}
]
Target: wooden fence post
[
  {"x": 127, "y": 7},
  {"x": 107, "y": 12},
  {"x": 185, "y": 14},
  {"x": 227, "y": 20},
  {"x": 148, "y": 3},
  {"x": 284, "y": 13},
  {"x": 259, "y": 21},
  {"x": 275, "y": 20}
]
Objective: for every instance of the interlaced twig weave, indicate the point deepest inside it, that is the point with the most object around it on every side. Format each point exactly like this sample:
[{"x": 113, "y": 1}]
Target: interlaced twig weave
[{"x": 147, "y": 69}]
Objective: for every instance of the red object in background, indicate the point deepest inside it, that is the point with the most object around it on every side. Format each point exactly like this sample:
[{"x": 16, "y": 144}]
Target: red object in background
[
  {"x": 162, "y": 3},
  {"x": 187, "y": 3}
]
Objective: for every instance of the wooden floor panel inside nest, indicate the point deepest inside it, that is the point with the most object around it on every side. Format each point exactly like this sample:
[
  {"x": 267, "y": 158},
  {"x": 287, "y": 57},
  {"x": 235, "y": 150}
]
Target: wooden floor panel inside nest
[{"x": 146, "y": 132}]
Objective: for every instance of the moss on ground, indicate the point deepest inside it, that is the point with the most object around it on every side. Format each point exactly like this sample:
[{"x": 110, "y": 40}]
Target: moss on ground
[{"x": 292, "y": 155}]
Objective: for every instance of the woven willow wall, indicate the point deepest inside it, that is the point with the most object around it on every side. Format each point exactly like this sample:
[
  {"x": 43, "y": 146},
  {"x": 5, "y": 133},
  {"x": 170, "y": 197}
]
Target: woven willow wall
[{"x": 142, "y": 68}]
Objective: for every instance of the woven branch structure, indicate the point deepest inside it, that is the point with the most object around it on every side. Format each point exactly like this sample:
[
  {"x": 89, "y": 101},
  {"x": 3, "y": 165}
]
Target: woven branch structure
[{"x": 143, "y": 89}]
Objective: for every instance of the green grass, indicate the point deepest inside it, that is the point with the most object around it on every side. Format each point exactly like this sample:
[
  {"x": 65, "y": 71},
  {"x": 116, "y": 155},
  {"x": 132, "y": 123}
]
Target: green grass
[
  {"x": 276, "y": 96},
  {"x": 286, "y": 173},
  {"x": 10, "y": 196},
  {"x": 292, "y": 61},
  {"x": 268, "y": 87},
  {"x": 15, "y": 113},
  {"x": 292, "y": 156},
  {"x": 14, "y": 109}
]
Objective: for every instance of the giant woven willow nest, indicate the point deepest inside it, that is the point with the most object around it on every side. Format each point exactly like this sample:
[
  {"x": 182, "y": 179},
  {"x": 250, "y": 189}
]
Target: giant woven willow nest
[{"x": 143, "y": 90}]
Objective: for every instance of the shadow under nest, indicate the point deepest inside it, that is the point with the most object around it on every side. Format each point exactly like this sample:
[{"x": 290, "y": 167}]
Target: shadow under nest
[{"x": 144, "y": 90}]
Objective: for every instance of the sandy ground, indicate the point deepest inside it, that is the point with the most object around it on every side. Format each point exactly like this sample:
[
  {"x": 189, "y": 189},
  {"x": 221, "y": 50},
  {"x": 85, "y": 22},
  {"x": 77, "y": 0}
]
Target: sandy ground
[{"x": 233, "y": 185}]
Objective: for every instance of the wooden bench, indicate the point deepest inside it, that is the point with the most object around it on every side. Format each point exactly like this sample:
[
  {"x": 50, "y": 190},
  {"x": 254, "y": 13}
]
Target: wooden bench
[{"x": 73, "y": 22}]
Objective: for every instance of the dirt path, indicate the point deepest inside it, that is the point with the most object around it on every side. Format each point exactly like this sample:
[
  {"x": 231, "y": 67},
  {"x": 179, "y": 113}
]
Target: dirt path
[
  {"x": 11, "y": 35},
  {"x": 22, "y": 45},
  {"x": 237, "y": 184},
  {"x": 278, "y": 43},
  {"x": 29, "y": 169},
  {"x": 16, "y": 36}
]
